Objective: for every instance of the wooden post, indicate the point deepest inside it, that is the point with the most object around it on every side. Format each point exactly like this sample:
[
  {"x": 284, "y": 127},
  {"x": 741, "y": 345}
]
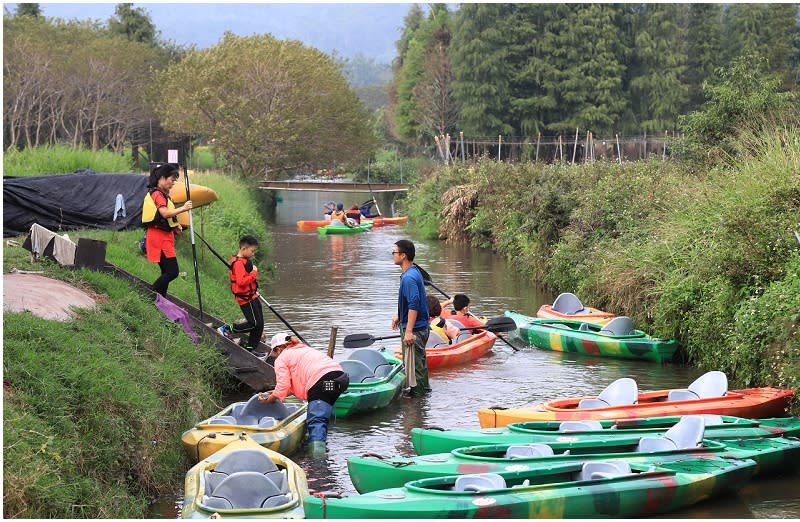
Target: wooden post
[
  {"x": 560, "y": 149},
  {"x": 538, "y": 140},
  {"x": 499, "y": 145},
  {"x": 586, "y": 148},
  {"x": 575, "y": 147},
  {"x": 461, "y": 138},
  {"x": 644, "y": 152},
  {"x": 664, "y": 152},
  {"x": 332, "y": 341}
]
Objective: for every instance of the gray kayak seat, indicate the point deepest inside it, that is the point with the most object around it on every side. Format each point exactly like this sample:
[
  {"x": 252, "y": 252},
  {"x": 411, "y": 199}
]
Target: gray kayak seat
[
  {"x": 222, "y": 419},
  {"x": 435, "y": 339},
  {"x": 712, "y": 419},
  {"x": 685, "y": 434},
  {"x": 710, "y": 384},
  {"x": 243, "y": 490},
  {"x": 568, "y": 303},
  {"x": 458, "y": 324},
  {"x": 253, "y": 411},
  {"x": 372, "y": 358},
  {"x": 621, "y": 325},
  {"x": 213, "y": 479},
  {"x": 619, "y": 393},
  {"x": 267, "y": 422},
  {"x": 604, "y": 469},
  {"x": 383, "y": 370},
  {"x": 357, "y": 370},
  {"x": 522, "y": 451},
  {"x": 584, "y": 425},
  {"x": 462, "y": 334},
  {"x": 245, "y": 459},
  {"x": 584, "y": 327},
  {"x": 479, "y": 482}
]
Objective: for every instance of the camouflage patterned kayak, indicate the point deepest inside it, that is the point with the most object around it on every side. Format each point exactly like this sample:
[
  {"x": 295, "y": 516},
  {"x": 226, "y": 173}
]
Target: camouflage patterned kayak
[
  {"x": 376, "y": 379},
  {"x": 576, "y": 489},
  {"x": 575, "y": 336},
  {"x": 245, "y": 480},
  {"x": 371, "y": 473},
  {"x": 428, "y": 441},
  {"x": 280, "y": 426}
]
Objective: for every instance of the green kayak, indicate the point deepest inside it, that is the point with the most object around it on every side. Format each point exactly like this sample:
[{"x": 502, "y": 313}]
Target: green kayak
[
  {"x": 371, "y": 473},
  {"x": 576, "y": 489},
  {"x": 344, "y": 229},
  {"x": 427, "y": 441},
  {"x": 376, "y": 379},
  {"x": 617, "y": 338}
]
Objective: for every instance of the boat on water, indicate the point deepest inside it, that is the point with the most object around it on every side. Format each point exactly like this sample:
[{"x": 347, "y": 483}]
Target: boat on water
[
  {"x": 344, "y": 229},
  {"x": 568, "y": 306},
  {"x": 279, "y": 426},
  {"x": 428, "y": 441},
  {"x": 683, "y": 441},
  {"x": 376, "y": 379},
  {"x": 617, "y": 338},
  {"x": 377, "y": 221},
  {"x": 245, "y": 480},
  {"x": 622, "y": 400},
  {"x": 439, "y": 354},
  {"x": 577, "y": 489}
]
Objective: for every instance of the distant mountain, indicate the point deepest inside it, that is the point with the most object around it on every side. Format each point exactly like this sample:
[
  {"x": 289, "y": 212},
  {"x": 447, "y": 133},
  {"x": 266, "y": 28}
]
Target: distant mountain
[{"x": 347, "y": 29}]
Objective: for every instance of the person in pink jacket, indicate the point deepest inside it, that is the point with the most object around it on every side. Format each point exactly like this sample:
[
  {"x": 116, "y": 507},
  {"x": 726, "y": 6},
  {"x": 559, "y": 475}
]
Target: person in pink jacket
[{"x": 310, "y": 375}]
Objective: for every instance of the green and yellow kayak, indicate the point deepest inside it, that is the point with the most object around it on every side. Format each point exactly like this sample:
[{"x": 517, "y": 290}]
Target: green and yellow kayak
[
  {"x": 279, "y": 426},
  {"x": 370, "y": 473},
  {"x": 575, "y": 489},
  {"x": 344, "y": 229},
  {"x": 428, "y": 441},
  {"x": 376, "y": 379},
  {"x": 245, "y": 480},
  {"x": 573, "y": 336}
]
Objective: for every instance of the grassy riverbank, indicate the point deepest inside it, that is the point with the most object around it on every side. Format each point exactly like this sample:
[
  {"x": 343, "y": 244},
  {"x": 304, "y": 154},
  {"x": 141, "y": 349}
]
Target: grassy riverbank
[
  {"x": 94, "y": 408},
  {"x": 707, "y": 257}
]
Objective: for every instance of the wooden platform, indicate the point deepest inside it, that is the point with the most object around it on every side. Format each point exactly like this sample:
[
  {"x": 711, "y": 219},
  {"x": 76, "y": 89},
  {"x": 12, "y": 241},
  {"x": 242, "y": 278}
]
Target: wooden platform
[{"x": 333, "y": 186}]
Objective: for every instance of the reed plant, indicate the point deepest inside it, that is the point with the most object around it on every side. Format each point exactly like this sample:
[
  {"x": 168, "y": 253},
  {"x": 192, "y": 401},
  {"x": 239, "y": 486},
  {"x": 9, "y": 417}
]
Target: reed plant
[{"x": 62, "y": 159}]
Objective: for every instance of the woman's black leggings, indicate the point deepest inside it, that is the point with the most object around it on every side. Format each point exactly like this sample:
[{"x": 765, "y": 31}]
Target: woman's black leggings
[{"x": 169, "y": 271}]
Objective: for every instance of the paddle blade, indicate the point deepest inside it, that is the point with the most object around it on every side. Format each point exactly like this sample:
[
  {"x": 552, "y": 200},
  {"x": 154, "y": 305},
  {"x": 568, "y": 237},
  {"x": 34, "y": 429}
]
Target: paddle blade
[
  {"x": 358, "y": 340},
  {"x": 500, "y": 324}
]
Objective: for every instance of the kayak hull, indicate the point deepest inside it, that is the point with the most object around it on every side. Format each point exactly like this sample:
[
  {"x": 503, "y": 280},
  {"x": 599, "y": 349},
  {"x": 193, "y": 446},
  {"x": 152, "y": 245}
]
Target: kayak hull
[
  {"x": 344, "y": 229},
  {"x": 470, "y": 349}
]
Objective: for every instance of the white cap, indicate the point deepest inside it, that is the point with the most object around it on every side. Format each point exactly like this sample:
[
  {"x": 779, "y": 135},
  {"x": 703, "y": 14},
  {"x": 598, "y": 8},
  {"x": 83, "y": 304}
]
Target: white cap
[{"x": 279, "y": 339}]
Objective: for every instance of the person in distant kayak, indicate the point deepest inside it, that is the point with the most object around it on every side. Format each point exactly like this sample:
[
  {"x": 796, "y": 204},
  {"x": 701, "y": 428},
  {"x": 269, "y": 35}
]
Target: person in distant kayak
[
  {"x": 162, "y": 225},
  {"x": 309, "y": 375},
  {"x": 243, "y": 275},
  {"x": 339, "y": 215},
  {"x": 462, "y": 314},
  {"x": 439, "y": 324},
  {"x": 354, "y": 214},
  {"x": 412, "y": 318}
]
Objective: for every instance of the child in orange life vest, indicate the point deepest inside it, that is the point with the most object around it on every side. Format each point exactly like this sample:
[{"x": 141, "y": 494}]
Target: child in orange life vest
[{"x": 243, "y": 275}]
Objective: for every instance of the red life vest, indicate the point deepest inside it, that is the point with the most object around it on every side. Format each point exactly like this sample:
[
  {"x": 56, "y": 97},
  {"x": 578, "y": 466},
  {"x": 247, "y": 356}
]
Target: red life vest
[{"x": 244, "y": 292}]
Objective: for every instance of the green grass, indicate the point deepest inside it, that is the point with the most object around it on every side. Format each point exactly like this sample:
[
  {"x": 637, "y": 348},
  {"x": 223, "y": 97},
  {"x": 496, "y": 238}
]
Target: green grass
[{"x": 62, "y": 159}]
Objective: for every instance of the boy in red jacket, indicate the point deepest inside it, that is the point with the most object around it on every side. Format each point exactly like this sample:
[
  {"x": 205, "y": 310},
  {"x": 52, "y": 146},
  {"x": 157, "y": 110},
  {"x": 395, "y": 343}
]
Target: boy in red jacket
[{"x": 243, "y": 275}]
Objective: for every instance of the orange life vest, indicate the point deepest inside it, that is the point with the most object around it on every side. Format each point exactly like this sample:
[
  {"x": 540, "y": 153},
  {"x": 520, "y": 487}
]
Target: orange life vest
[{"x": 244, "y": 292}]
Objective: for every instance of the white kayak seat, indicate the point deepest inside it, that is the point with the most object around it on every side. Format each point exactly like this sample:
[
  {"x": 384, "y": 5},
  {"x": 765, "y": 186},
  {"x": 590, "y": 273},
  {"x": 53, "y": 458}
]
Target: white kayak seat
[
  {"x": 621, "y": 325},
  {"x": 253, "y": 411},
  {"x": 267, "y": 422},
  {"x": 584, "y": 327},
  {"x": 279, "y": 479},
  {"x": 276, "y": 500},
  {"x": 371, "y": 379},
  {"x": 357, "y": 370},
  {"x": 291, "y": 408},
  {"x": 584, "y": 425},
  {"x": 213, "y": 479},
  {"x": 525, "y": 484},
  {"x": 710, "y": 384},
  {"x": 479, "y": 482},
  {"x": 372, "y": 358},
  {"x": 222, "y": 419},
  {"x": 567, "y": 303},
  {"x": 216, "y": 502},
  {"x": 245, "y": 459},
  {"x": 463, "y": 336},
  {"x": 621, "y": 392},
  {"x": 685, "y": 434},
  {"x": 246, "y": 490},
  {"x": 383, "y": 370},
  {"x": 712, "y": 419},
  {"x": 604, "y": 469},
  {"x": 522, "y": 451},
  {"x": 236, "y": 410},
  {"x": 435, "y": 339}
]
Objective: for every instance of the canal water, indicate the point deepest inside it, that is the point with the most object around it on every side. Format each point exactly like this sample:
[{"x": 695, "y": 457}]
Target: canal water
[{"x": 350, "y": 282}]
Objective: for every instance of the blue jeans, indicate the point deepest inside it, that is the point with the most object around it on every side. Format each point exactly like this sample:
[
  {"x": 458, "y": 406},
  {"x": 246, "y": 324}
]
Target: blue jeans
[{"x": 319, "y": 413}]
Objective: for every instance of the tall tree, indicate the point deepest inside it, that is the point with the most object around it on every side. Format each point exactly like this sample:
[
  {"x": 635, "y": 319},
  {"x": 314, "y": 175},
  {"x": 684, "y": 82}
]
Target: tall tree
[
  {"x": 28, "y": 10},
  {"x": 133, "y": 23},
  {"x": 658, "y": 91},
  {"x": 268, "y": 104},
  {"x": 703, "y": 49}
]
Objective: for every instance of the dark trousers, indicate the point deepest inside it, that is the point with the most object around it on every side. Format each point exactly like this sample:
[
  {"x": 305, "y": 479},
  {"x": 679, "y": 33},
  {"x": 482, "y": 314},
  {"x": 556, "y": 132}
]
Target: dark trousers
[
  {"x": 169, "y": 271},
  {"x": 254, "y": 315},
  {"x": 321, "y": 397}
]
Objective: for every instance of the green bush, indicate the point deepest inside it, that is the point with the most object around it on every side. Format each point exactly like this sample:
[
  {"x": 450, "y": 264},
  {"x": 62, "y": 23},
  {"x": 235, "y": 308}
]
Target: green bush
[{"x": 62, "y": 159}]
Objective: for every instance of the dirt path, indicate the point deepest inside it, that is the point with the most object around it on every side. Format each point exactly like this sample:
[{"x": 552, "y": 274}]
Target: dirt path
[{"x": 42, "y": 296}]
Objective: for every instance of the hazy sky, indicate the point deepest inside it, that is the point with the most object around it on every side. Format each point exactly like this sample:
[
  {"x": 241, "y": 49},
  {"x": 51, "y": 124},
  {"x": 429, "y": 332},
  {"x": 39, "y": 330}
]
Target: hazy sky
[{"x": 369, "y": 28}]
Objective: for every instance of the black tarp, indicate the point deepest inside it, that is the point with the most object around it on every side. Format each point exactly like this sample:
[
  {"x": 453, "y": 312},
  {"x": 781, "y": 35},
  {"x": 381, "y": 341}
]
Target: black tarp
[{"x": 83, "y": 199}]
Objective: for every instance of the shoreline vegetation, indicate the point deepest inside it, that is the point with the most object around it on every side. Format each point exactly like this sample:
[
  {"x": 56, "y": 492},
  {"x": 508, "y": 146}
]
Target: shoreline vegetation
[{"x": 93, "y": 406}]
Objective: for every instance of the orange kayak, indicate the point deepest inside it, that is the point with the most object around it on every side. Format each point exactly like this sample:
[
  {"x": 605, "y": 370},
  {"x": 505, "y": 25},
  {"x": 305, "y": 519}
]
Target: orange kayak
[
  {"x": 467, "y": 350},
  {"x": 751, "y": 403}
]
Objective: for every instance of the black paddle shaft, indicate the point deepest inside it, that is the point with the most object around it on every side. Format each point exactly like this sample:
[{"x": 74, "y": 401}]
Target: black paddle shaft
[{"x": 494, "y": 325}]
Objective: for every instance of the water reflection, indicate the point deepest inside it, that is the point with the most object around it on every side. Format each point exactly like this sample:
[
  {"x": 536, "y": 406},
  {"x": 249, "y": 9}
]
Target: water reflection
[{"x": 350, "y": 281}]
